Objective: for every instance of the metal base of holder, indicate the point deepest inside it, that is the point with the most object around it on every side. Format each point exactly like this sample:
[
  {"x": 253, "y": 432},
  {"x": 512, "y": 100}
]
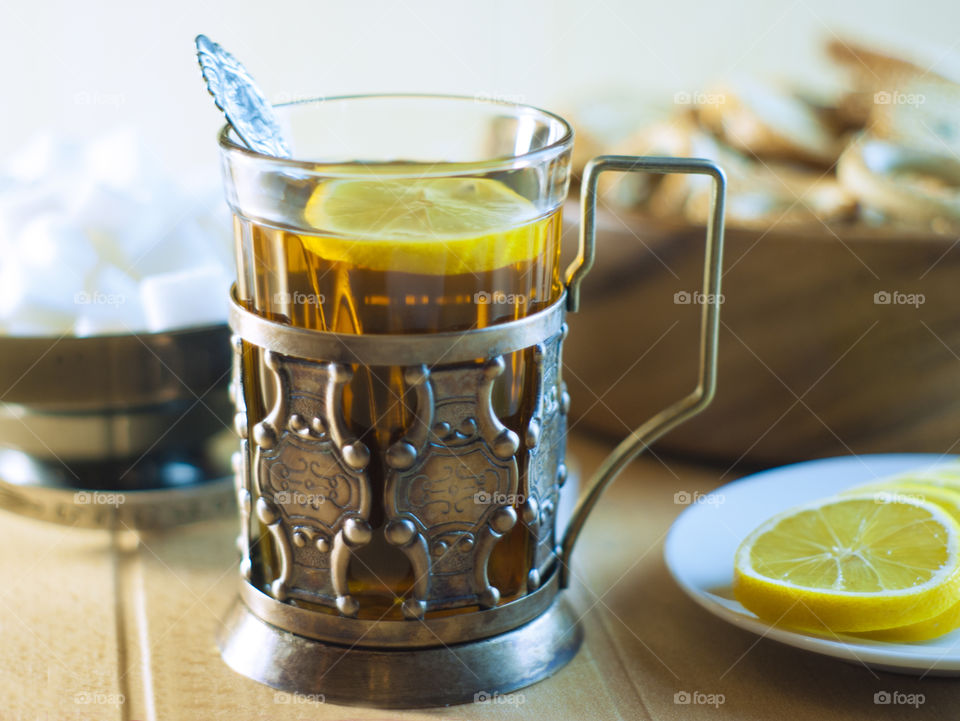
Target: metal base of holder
[{"x": 401, "y": 678}]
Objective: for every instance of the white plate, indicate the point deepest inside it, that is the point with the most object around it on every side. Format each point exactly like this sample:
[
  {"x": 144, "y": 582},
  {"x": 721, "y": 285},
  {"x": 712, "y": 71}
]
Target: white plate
[{"x": 700, "y": 548}]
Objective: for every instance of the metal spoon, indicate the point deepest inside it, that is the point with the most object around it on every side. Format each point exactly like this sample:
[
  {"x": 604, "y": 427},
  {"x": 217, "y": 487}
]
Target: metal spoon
[{"x": 242, "y": 102}]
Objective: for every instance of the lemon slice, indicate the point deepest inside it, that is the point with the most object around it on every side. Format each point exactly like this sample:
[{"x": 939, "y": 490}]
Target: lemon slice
[
  {"x": 436, "y": 226},
  {"x": 920, "y": 486},
  {"x": 940, "y": 624},
  {"x": 857, "y": 563},
  {"x": 944, "y": 496},
  {"x": 946, "y": 476}
]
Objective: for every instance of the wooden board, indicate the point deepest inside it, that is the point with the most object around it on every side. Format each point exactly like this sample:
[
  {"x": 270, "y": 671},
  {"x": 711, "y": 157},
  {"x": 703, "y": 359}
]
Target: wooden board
[{"x": 809, "y": 364}]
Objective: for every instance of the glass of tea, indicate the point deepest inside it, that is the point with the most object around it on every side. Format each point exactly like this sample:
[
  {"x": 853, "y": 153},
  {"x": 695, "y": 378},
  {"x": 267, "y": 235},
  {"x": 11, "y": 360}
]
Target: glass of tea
[{"x": 398, "y": 323}]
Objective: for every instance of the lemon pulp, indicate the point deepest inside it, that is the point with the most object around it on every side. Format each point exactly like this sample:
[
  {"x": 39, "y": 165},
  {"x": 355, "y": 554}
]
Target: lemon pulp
[
  {"x": 941, "y": 486},
  {"x": 857, "y": 563},
  {"x": 435, "y": 226}
]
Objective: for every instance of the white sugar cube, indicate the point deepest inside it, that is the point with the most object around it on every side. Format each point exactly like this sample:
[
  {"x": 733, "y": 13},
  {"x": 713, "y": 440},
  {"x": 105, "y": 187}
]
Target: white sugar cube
[
  {"x": 181, "y": 247},
  {"x": 105, "y": 213},
  {"x": 52, "y": 261},
  {"x": 50, "y": 242},
  {"x": 42, "y": 156},
  {"x": 107, "y": 313},
  {"x": 110, "y": 304},
  {"x": 195, "y": 296},
  {"x": 125, "y": 227},
  {"x": 31, "y": 305},
  {"x": 99, "y": 239},
  {"x": 22, "y": 203},
  {"x": 121, "y": 160}
]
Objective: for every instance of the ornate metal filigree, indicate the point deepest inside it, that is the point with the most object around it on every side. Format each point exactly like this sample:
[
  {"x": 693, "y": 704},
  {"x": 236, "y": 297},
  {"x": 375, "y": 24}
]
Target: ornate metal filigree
[
  {"x": 313, "y": 493},
  {"x": 450, "y": 485},
  {"x": 545, "y": 440}
]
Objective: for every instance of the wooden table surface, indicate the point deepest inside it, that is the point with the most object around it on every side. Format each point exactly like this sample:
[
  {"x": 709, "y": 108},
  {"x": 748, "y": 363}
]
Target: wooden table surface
[{"x": 103, "y": 625}]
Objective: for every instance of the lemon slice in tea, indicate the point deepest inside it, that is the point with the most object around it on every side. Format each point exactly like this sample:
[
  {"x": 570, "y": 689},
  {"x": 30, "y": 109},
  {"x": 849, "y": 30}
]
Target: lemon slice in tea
[
  {"x": 851, "y": 563},
  {"x": 435, "y": 226}
]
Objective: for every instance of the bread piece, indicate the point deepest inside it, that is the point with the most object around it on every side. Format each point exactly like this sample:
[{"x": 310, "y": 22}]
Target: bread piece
[
  {"x": 904, "y": 184},
  {"x": 923, "y": 114},
  {"x": 763, "y": 121},
  {"x": 671, "y": 137},
  {"x": 869, "y": 66},
  {"x": 828, "y": 106},
  {"x": 764, "y": 195},
  {"x": 601, "y": 123},
  {"x": 875, "y": 76}
]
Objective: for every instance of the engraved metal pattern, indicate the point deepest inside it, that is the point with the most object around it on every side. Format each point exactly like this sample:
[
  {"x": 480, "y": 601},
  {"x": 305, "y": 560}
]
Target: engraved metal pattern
[
  {"x": 237, "y": 95},
  {"x": 450, "y": 482},
  {"x": 313, "y": 493},
  {"x": 545, "y": 440}
]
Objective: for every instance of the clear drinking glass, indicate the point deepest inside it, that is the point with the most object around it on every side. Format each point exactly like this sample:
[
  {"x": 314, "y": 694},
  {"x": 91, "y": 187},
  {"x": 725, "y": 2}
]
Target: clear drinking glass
[
  {"x": 304, "y": 260},
  {"x": 403, "y": 214}
]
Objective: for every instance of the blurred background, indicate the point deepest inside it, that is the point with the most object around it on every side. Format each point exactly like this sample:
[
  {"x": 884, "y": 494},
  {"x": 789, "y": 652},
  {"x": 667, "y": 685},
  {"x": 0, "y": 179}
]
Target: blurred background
[{"x": 86, "y": 67}]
